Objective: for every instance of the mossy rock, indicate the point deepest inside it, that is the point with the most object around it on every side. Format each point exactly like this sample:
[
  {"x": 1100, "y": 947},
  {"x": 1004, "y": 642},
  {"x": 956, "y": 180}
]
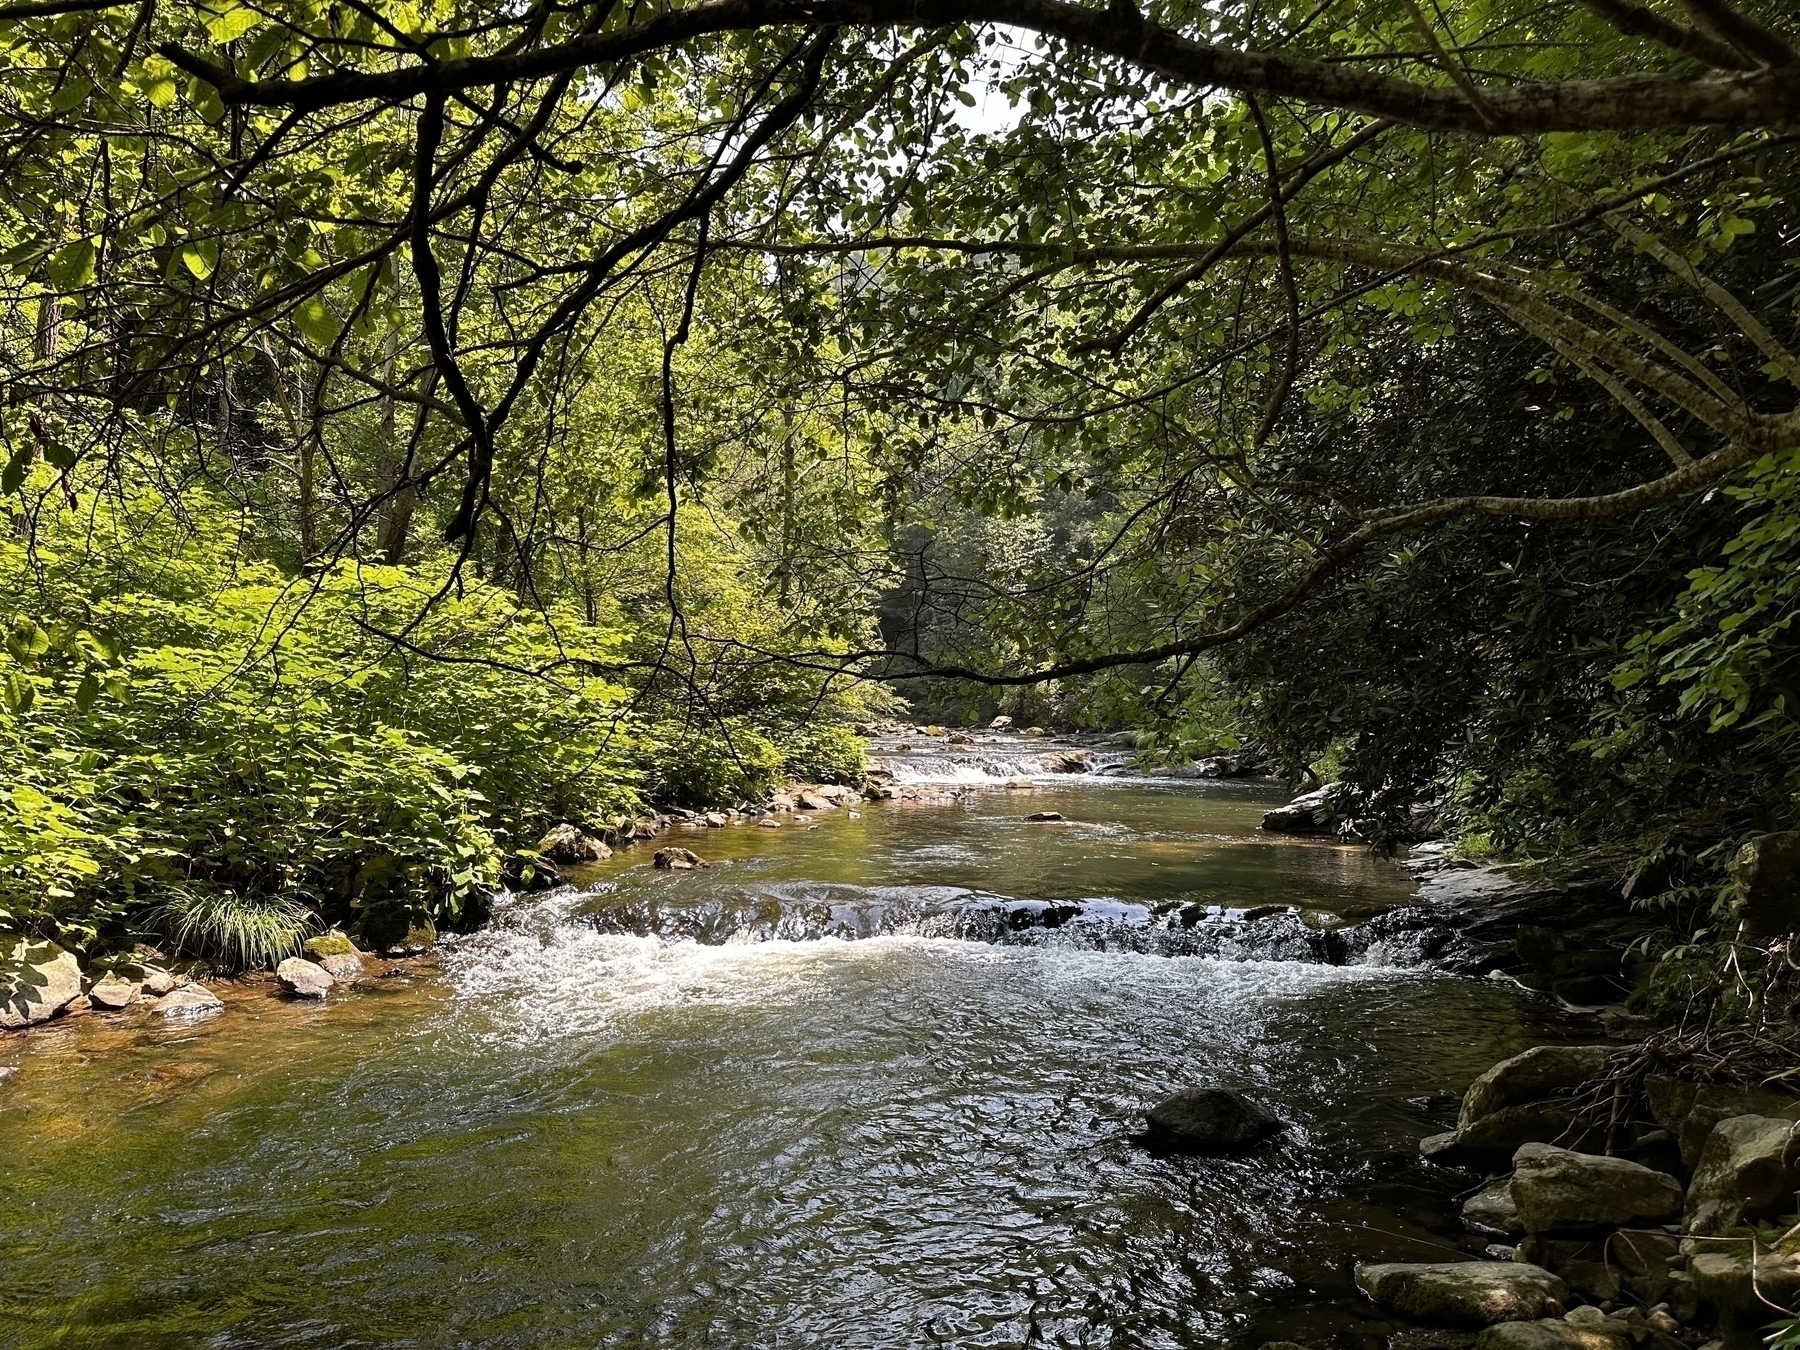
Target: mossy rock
[
  {"x": 391, "y": 929},
  {"x": 328, "y": 944},
  {"x": 395, "y": 931}
]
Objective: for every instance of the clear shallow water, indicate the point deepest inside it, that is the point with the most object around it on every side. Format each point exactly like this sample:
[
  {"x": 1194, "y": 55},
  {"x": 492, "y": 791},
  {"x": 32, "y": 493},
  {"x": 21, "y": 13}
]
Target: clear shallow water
[{"x": 556, "y": 1137}]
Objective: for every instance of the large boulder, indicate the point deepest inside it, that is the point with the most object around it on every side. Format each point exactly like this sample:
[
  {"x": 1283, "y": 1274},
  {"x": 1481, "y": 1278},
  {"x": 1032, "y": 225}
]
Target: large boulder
[
  {"x": 1462, "y": 1293},
  {"x": 1765, "y": 878},
  {"x": 1736, "y": 1287},
  {"x": 1558, "y": 1190},
  {"x": 677, "y": 859},
  {"x": 1209, "y": 1120},
  {"x": 37, "y": 981},
  {"x": 1311, "y": 813},
  {"x": 568, "y": 843},
  {"x": 1690, "y": 1110},
  {"x": 303, "y": 978},
  {"x": 1747, "y": 1171},
  {"x": 1503, "y": 1131},
  {"x": 1539, "y": 1072}
]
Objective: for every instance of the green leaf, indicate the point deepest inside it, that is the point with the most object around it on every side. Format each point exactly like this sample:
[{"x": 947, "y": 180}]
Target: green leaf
[
  {"x": 319, "y": 325},
  {"x": 18, "y": 692},
  {"x": 155, "y": 80},
  {"x": 230, "y": 22},
  {"x": 12, "y": 478},
  {"x": 72, "y": 266},
  {"x": 87, "y": 692},
  {"x": 200, "y": 258}
]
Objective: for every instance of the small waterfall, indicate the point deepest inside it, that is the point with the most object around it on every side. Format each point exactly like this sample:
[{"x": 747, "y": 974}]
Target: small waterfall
[
  {"x": 1404, "y": 937},
  {"x": 974, "y": 767}
]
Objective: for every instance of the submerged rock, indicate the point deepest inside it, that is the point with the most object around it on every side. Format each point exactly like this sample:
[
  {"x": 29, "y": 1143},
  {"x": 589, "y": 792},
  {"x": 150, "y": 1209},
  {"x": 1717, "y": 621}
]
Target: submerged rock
[
  {"x": 1209, "y": 1120},
  {"x": 769, "y": 823},
  {"x": 191, "y": 1001},
  {"x": 677, "y": 859},
  {"x": 1747, "y": 1171},
  {"x": 303, "y": 978},
  {"x": 1462, "y": 1293},
  {"x": 37, "y": 981}
]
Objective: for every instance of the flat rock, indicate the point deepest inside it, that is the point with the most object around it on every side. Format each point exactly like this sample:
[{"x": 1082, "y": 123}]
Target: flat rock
[
  {"x": 677, "y": 859},
  {"x": 1209, "y": 1120},
  {"x": 715, "y": 820},
  {"x": 1503, "y": 1131},
  {"x": 1553, "y": 1333},
  {"x": 1462, "y": 1293},
  {"x": 190, "y": 1001},
  {"x": 113, "y": 993},
  {"x": 1559, "y": 1190},
  {"x": 37, "y": 981},
  {"x": 813, "y": 800},
  {"x": 1045, "y": 815},
  {"x": 303, "y": 978},
  {"x": 769, "y": 823},
  {"x": 1746, "y": 1171}
]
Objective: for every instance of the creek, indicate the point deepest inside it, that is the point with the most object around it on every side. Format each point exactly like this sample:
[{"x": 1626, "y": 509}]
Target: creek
[{"x": 848, "y": 1116}]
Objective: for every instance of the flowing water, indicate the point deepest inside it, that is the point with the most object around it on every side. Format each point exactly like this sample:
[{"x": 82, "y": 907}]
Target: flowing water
[{"x": 573, "y": 1129}]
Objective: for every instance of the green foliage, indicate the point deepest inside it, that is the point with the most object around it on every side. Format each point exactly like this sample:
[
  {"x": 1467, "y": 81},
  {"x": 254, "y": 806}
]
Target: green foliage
[
  {"x": 824, "y": 752},
  {"x": 733, "y": 763},
  {"x": 260, "y": 750},
  {"x": 1732, "y": 649}
]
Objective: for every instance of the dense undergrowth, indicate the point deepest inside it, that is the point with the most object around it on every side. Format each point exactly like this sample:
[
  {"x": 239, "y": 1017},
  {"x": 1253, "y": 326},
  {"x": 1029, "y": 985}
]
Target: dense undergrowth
[{"x": 213, "y": 751}]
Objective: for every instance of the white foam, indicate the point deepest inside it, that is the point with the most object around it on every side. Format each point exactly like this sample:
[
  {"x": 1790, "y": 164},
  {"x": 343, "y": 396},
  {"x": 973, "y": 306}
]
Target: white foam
[{"x": 522, "y": 982}]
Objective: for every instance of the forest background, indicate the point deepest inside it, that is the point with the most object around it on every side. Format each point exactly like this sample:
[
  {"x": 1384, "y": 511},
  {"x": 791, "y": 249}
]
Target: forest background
[{"x": 423, "y": 425}]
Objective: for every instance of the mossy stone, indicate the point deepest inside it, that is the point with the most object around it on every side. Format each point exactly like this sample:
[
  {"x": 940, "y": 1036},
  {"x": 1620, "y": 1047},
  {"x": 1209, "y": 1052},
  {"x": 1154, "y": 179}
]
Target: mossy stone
[{"x": 328, "y": 944}]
